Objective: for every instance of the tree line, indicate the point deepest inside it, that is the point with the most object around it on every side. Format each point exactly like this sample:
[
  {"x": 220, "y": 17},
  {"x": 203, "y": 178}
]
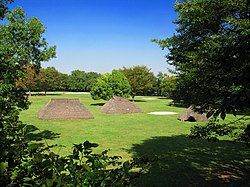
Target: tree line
[
  {"x": 50, "y": 79},
  {"x": 139, "y": 80}
]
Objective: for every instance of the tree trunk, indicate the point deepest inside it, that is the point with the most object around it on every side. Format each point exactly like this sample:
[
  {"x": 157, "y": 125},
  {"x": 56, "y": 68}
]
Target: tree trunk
[{"x": 133, "y": 98}]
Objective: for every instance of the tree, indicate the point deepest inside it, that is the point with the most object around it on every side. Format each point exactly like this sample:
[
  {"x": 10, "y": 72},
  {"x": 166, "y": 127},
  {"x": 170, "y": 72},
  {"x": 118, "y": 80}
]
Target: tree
[
  {"x": 63, "y": 82},
  {"x": 141, "y": 79},
  {"x": 82, "y": 81},
  {"x": 211, "y": 52},
  {"x": 21, "y": 43},
  {"x": 77, "y": 80},
  {"x": 4, "y": 7},
  {"x": 109, "y": 85},
  {"x": 91, "y": 80},
  {"x": 51, "y": 81},
  {"x": 160, "y": 77},
  {"x": 168, "y": 86},
  {"x": 29, "y": 81}
]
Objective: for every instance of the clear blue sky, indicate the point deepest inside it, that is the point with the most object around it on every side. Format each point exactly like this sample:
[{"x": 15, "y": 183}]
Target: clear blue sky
[{"x": 101, "y": 35}]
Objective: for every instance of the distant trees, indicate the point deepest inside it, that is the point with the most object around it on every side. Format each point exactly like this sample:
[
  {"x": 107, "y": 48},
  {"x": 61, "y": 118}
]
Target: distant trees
[
  {"x": 29, "y": 81},
  {"x": 168, "y": 86},
  {"x": 50, "y": 79},
  {"x": 82, "y": 81},
  {"x": 109, "y": 85},
  {"x": 141, "y": 79},
  {"x": 159, "y": 79}
]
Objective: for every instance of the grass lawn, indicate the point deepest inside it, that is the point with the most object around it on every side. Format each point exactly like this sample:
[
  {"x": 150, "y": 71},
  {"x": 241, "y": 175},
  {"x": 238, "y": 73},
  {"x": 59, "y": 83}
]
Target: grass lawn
[{"x": 179, "y": 161}]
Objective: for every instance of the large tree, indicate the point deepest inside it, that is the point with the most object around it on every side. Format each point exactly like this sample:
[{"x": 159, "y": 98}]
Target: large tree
[
  {"x": 82, "y": 81},
  {"x": 211, "y": 52},
  {"x": 108, "y": 85},
  {"x": 141, "y": 79},
  {"x": 21, "y": 43}
]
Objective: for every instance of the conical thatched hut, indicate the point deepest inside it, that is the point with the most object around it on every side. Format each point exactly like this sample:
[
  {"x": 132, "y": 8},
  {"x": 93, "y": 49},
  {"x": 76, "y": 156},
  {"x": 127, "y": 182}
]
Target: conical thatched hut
[
  {"x": 192, "y": 116},
  {"x": 119, "y": 105},
  {"x": 64, "y": 109}
]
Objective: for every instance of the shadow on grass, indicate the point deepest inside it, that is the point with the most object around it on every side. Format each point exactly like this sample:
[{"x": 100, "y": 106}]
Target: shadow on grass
[
  {"x": 97, "y": 104},
  {"x": 32, "y": 135},
  {"x": 180, "y": 161},
  {"x": 137, "y": 100},
  {"x": 164, "y": 98}
]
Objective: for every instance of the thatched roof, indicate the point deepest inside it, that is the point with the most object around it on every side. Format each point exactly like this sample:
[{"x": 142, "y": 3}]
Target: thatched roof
[
  {"x": 64, "y": 109},
  {"x": 192, "y": 116},
  {"x": 119, "y": 105}
]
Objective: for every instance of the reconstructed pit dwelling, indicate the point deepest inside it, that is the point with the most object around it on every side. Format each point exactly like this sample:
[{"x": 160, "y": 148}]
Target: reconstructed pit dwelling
[
  {"x": 192, "y": 116},
  {"x": 64, "y": 109},
  {"x": 119, "y": 105}
]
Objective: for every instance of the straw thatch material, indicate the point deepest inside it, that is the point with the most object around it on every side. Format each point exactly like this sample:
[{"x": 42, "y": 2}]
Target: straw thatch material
[
  {"x": 64, "y": 109},
  {"x": 119, "y": 105},
  {"x": 192, "y": 116}
]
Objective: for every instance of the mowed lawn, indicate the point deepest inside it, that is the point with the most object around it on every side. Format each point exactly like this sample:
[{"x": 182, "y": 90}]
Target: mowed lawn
[{"x": 178, "y": 160}]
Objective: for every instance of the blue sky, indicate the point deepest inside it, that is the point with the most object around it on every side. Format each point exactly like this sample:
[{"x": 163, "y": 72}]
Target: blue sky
[{"x": 101, "y": 35}]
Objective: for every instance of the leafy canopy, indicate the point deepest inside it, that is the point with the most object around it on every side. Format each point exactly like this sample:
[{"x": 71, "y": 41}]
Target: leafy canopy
[
  {"x": 21, "y": 43},
  {"x": 141, "y": 79},
  {"x": 211, "y": 52},
  {"x": 108, "y": 85}
]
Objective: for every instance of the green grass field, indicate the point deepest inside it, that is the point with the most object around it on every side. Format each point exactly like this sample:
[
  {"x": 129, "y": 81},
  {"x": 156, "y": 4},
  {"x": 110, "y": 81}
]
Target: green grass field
[{"x": 179, "y": 161}]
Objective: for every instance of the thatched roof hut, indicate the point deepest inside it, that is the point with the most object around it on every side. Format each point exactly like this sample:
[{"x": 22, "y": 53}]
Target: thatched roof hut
[
  {"x": 119, "y": 105},
  {"x": 192, "y": 116},
  {"x": 64, "y": 109}
]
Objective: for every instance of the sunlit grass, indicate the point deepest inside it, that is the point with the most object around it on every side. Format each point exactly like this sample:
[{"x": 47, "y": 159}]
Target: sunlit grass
[
  {"x": 116, "y": 132},
  {"x": 179, "y": 161}
]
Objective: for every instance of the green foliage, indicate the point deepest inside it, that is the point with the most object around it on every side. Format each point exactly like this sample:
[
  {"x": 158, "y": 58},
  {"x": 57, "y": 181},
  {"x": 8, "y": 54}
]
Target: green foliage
[
  {"x": 4, "y": 7},
  {"x": 160, "y": 76},
  {"x": 168, "y": 86},
  {"x": 211, "y": 54},
  {"x": 82, "y": 81},
  {"x": 42, "y": 167},
  {"x": 21, "y": 43},
  {"x": 141, "y": 79},
  {"x": 237, "y": 130},
  {"x": 50, "y": 79},
  {"x": 111, "y": 84}
]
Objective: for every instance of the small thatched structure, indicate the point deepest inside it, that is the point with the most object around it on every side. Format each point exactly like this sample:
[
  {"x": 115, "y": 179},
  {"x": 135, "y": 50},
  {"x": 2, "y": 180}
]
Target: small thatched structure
[
  {"x": 64, "y": 109},
  {"x": 119, "y": 105},
  {"x": 192, "y": 116}
]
